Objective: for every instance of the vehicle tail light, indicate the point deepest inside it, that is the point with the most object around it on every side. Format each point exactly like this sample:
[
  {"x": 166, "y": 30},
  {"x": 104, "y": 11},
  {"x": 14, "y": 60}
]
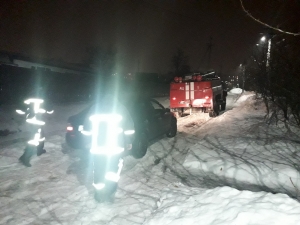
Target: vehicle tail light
[
  {"x": 206, "y": 97},
  {"x": 70, "y": 127}
]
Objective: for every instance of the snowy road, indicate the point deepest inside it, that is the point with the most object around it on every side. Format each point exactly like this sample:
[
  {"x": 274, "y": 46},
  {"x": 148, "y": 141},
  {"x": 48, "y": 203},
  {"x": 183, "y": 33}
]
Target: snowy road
[{"x": 189, "y": 171}]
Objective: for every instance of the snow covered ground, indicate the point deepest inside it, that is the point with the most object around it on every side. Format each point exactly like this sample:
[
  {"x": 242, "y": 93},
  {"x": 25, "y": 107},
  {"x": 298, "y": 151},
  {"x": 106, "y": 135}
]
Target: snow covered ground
[{"x": 232, "y": 169}]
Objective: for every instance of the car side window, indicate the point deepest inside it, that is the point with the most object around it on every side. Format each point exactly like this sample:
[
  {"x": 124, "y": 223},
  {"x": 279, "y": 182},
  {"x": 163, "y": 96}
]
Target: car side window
[
  {"x": 149, "y": 107},
  {"x": 156, "y": 105},
  {"x": 144, "y": 109}
]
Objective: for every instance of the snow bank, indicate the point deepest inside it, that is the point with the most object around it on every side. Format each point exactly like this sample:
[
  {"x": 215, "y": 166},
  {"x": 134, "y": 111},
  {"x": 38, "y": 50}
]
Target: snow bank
[
  {"x": 240, "y": 147},
  {"x": 224, "y": 205}
]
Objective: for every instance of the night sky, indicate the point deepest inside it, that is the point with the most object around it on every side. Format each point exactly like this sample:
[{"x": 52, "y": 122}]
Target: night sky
[{"x": 145, "y": 33}]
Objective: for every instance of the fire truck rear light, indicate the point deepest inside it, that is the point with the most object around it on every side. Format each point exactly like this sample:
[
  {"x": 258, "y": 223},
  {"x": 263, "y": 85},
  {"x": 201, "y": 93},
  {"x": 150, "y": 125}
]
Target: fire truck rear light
[
  {"x": 206, "y": 97},
  {"x": 174, "y": 98}
]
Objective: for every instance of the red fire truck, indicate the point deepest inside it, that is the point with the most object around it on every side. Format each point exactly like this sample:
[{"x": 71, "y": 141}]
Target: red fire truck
[{"x": 197, "y": 93}]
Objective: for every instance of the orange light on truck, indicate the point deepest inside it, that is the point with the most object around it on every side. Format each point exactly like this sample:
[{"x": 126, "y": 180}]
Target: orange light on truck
[{"x": 199, "y": 78}]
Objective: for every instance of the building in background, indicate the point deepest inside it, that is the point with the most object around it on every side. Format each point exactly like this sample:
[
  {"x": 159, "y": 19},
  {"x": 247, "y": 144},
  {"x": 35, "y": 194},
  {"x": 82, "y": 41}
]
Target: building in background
[{"x": 19, "y": 74}]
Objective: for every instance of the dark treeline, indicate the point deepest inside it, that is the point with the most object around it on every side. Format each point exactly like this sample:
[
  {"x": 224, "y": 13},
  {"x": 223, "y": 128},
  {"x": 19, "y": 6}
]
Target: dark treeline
[
  {"x": 276, "y": 76},
  {"x": 17, "y": 83}
]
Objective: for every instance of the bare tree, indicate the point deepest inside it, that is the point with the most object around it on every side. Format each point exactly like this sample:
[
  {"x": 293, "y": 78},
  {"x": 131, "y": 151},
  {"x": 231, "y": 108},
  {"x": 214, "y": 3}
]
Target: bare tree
[{"x": 278, "y": 83}]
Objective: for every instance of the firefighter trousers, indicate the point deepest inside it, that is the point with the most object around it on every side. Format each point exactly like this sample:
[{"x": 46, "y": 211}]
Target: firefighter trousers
[
  {"x": 29, "y": 151},
  {"x": 103, "y": 166}
]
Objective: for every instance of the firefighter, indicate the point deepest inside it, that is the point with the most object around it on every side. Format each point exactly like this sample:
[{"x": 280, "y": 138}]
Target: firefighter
[
  {"x": 33, "y": 112},
  {"x": 111, "y": 130}
]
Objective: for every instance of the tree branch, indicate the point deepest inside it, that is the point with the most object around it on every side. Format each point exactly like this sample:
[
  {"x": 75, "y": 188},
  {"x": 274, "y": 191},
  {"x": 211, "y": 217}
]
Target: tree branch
[{"x": 264, "y": 24}]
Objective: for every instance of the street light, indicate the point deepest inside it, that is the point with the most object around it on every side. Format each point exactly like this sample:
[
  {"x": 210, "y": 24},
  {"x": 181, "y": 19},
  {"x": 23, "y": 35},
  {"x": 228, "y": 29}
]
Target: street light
[
  {"x": 268, "y": 38},
  {"x": 263, "y": 39}
]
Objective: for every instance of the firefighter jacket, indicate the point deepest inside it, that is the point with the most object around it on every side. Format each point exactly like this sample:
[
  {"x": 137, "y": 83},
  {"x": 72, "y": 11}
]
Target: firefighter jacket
[
  {"x": 110, "y": 126},
  {"x": 33, "y": 112}
]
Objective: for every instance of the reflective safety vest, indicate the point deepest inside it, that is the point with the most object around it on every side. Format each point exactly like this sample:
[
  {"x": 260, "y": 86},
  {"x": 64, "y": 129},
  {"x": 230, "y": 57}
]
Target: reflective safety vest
[
  {"x": 110, "y": 176},
  {"x": 107, "y": 134},
  {"x": 32, "y": 113}
]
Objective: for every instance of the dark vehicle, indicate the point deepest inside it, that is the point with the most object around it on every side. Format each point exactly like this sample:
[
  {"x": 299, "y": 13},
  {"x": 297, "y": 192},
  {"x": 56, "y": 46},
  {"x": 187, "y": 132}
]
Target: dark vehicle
[{"x": 151, "y": 120}]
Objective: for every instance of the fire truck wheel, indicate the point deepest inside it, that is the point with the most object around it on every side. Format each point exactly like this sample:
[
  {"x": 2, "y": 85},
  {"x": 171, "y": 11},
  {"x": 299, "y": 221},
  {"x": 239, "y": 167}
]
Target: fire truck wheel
[
  {"x": 173, "y": 129},
  {"x": 215, "y": 111},
  {"x": 216, "y": 108},
  {"x": 211, "y": 114},
  {"x": 140, "y": 146},
  {"x": 178, "y": 114}
]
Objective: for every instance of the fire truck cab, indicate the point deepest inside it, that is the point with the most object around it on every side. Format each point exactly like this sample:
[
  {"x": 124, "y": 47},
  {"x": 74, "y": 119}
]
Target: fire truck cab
[{"x": 197, "y": 93}]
